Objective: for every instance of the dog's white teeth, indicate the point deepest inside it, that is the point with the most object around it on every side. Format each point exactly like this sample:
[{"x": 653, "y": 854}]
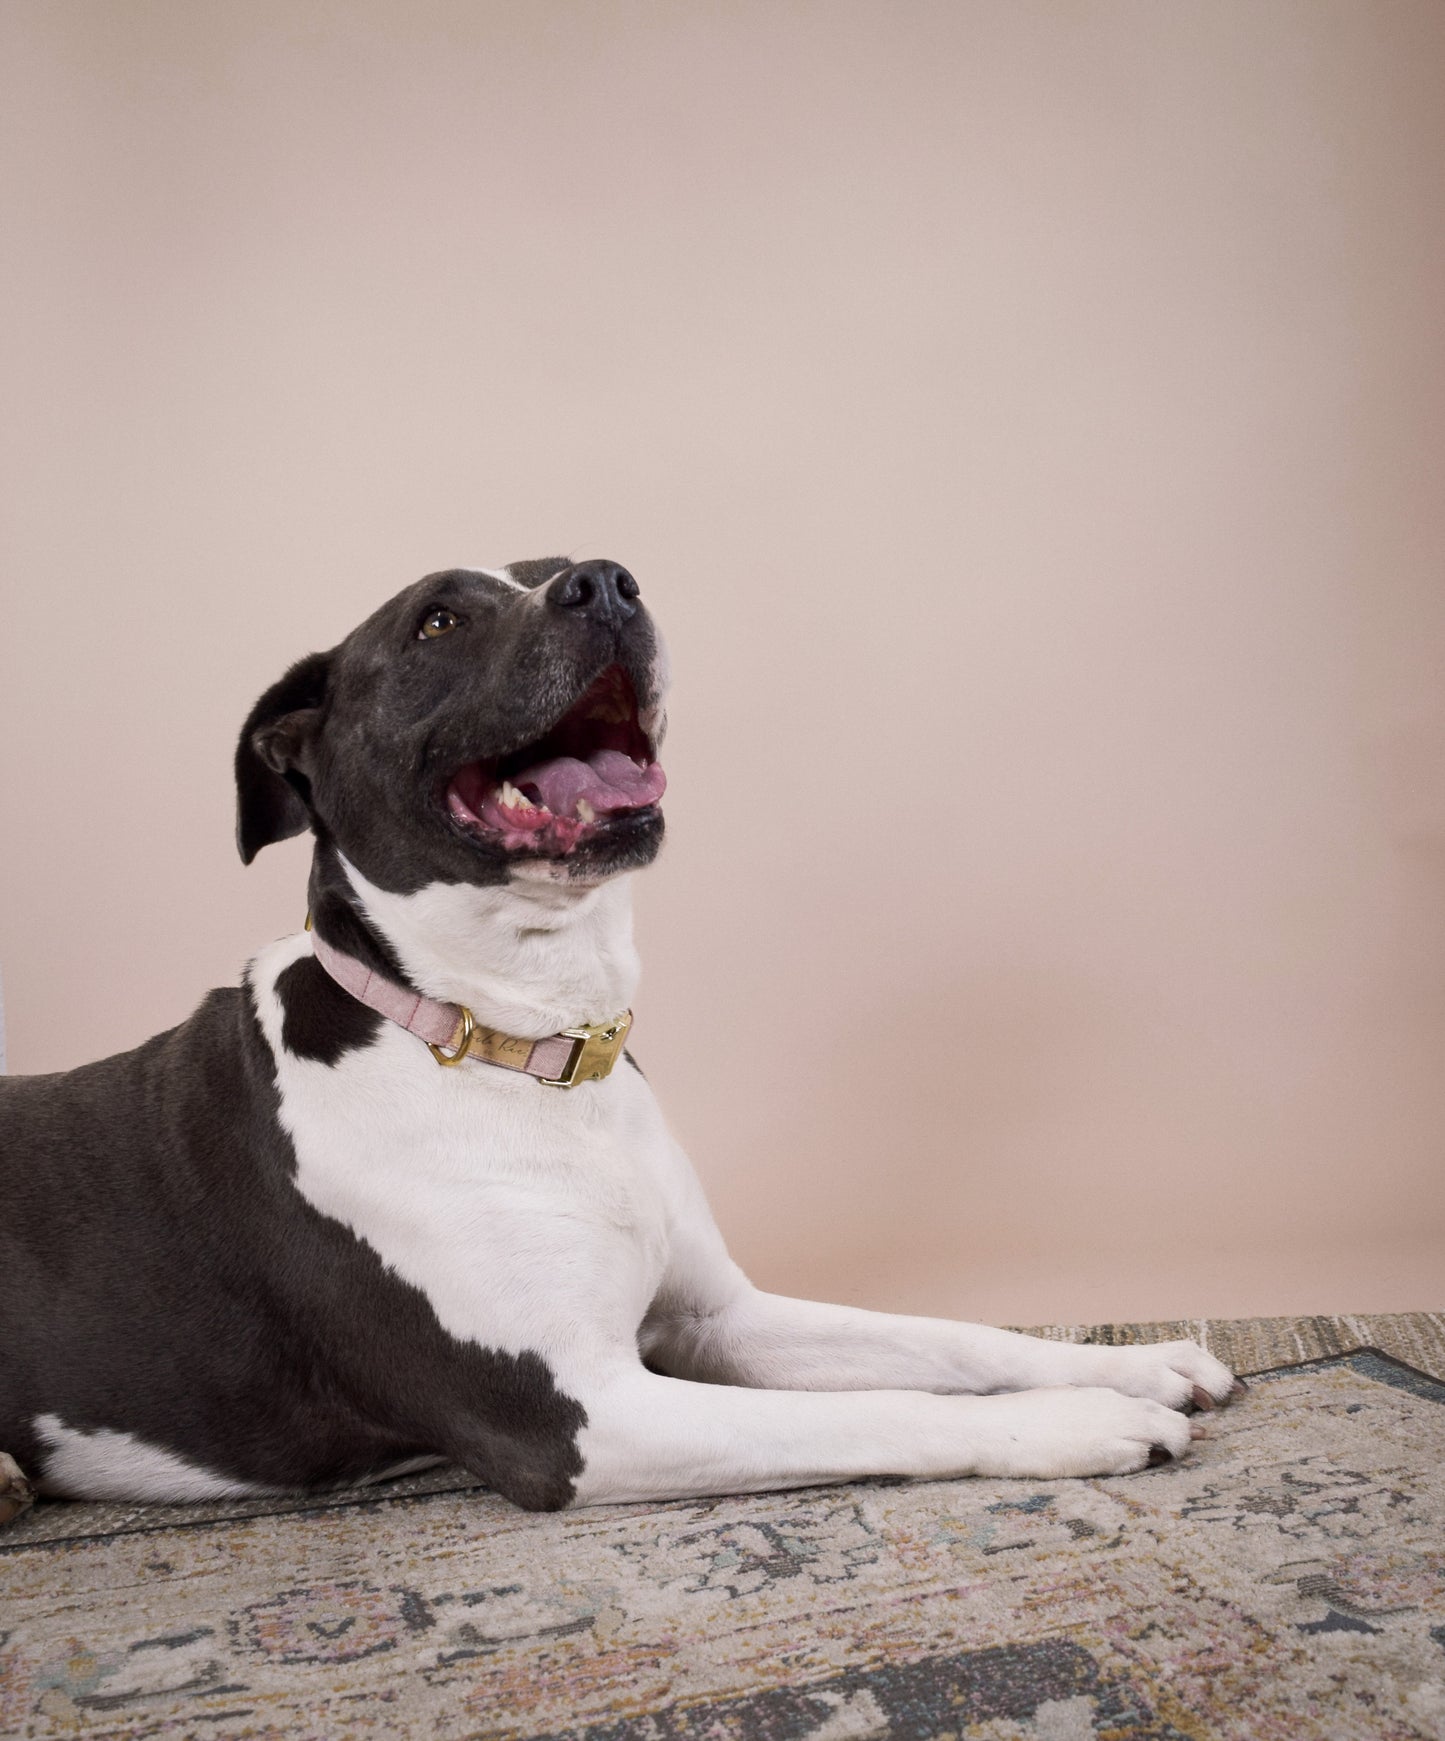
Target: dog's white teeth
[
  {"x": 511, "y": 799},
  {"x": 652, "y": 723},
  {"x": 585, "y": 812}
]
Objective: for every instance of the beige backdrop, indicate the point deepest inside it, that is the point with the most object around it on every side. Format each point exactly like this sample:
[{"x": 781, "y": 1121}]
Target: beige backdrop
[{"x": 1026, "y": 420}]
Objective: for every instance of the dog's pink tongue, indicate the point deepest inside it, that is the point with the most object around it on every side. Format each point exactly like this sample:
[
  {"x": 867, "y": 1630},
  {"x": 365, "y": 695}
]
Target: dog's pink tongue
[{"x": 607, "y": 780}]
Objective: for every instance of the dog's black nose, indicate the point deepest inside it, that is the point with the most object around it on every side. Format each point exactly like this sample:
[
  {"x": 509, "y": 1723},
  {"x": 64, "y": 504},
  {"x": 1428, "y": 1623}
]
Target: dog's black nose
[{"x": 603, "y": 591}]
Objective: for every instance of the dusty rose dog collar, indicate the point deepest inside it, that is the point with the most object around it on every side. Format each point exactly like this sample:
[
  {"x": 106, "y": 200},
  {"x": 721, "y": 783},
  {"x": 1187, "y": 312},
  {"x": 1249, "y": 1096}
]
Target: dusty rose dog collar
[{"x": 583, "y": 1054}]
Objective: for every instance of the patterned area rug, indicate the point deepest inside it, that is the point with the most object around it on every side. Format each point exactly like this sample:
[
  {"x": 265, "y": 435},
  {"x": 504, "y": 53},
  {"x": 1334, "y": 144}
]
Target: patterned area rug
[{"x": 1288, "y": 1580}]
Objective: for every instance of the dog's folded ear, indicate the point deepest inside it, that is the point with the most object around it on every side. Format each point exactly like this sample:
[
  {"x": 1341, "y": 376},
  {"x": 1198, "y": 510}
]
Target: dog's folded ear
[{"x": 273, "y": 793}]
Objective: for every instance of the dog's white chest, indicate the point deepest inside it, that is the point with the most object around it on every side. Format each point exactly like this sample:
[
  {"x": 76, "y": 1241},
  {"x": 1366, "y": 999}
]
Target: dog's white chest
[{"x": 500, "y": 1199}]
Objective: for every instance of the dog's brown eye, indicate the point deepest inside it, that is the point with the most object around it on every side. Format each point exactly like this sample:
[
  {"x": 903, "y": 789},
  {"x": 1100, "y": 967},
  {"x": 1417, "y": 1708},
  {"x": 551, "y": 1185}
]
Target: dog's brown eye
[{"x": 439, "y": 622}]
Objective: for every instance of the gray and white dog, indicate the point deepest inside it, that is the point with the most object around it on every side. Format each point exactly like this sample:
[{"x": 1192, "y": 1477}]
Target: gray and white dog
[{"x": 390, "y": 1202}]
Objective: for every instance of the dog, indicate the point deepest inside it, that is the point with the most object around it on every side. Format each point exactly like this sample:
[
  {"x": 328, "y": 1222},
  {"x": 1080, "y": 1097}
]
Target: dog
[{"x": 403, "y": 1196}]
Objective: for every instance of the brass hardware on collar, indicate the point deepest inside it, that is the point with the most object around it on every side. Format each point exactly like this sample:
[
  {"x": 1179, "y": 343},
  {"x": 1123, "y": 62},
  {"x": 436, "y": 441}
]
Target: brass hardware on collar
[
  {"x": 307, "y": 925},
  {"x": 459, "y": 1051},
  {"x": 595, "y": 1050}
]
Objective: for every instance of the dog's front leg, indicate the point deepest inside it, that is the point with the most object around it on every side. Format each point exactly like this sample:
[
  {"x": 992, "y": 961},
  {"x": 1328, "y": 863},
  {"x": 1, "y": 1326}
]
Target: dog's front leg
[
  {"x": 709, "y": 1323},
  {"x": 651, "y": 1438},
  {"x": 753, "y": 1338}
]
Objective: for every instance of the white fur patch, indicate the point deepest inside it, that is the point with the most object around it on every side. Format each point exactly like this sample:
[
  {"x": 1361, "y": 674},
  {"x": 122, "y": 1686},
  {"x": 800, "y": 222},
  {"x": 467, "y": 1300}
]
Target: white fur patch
[
  {"x": 530, "y": 958},
  {"x": 531, "y": 1218},
  {"x": 502, "y": 575},
  {"x": 109, "y": 1465}
]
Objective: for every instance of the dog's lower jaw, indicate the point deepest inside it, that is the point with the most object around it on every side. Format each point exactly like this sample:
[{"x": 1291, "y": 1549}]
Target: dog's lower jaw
[{"x": 531, "y": 956}]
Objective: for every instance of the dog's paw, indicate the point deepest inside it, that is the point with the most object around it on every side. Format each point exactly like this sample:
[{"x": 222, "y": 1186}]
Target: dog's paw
[
  {"x": 1174, "y": 1373},
  {"x": 1072, "y": 1431},
  {"x": 16, "y": 1493}
]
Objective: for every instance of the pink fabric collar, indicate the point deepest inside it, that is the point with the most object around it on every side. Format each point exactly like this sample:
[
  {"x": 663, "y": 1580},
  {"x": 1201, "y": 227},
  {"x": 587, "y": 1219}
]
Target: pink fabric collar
[{"x": 560, "y": 1060}]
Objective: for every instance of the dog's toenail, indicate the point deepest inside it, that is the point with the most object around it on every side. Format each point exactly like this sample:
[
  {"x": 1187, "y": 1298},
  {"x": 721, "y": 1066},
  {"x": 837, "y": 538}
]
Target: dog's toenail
[
  {"x": 1202, "y": 1398},
  {"x": 1239, "y": 1388},
  {"x": 1197, "y": 1430},
  {"x": 1160, "y": 1454}
]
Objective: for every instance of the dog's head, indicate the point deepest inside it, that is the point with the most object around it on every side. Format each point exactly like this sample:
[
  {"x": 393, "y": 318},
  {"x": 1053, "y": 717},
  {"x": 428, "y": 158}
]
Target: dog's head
[{"x": 482, "y": 725}]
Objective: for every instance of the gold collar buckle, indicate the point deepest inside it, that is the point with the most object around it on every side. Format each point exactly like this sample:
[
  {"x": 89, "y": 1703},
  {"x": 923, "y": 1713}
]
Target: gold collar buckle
[{"x": 595, "y": 1049}]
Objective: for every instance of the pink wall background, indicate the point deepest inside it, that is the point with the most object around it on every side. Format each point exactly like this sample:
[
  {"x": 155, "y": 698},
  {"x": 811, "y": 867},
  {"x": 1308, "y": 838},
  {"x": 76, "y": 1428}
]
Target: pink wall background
[{"x": 1026, "y": 422}]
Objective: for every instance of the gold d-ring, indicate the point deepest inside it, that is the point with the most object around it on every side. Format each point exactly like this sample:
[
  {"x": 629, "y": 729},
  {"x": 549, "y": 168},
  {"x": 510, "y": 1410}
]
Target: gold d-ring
[{"x": 456, "y": 1056}]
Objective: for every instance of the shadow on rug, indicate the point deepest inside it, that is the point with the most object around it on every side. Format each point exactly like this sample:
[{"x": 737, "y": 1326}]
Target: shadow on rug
[{"x": 1287, "y": 1580}]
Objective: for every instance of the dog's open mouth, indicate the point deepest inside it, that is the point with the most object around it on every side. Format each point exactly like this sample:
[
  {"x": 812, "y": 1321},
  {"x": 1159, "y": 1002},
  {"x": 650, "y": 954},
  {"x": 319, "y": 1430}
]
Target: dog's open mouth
[{"x": 592, "y": 770}]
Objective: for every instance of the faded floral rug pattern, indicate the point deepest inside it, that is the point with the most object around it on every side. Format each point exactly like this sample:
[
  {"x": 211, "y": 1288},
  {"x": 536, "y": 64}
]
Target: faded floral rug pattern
[{"x": 1286, "y": 1581}]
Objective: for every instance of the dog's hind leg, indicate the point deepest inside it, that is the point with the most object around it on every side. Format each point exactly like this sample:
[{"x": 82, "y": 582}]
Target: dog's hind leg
[{"x": 16, "y": 1493}]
